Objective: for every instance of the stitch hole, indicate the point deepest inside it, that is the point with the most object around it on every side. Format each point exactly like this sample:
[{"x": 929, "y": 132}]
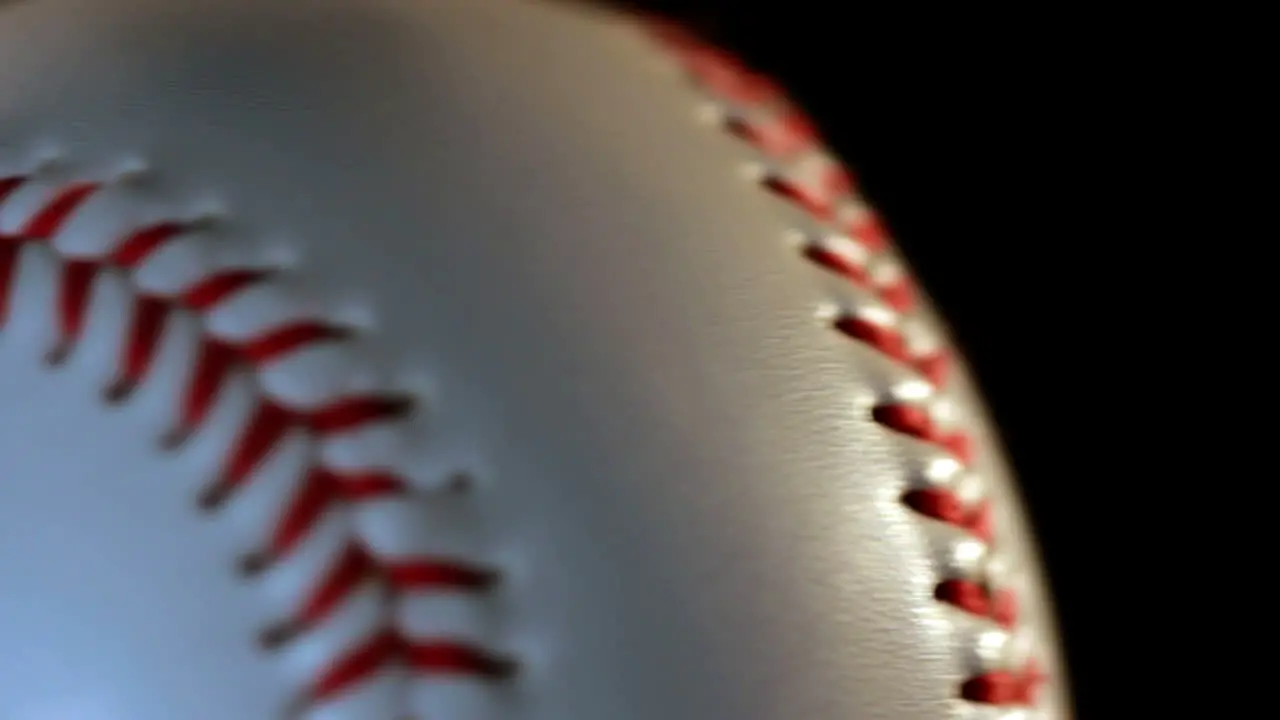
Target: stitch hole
[
  {"x": 778, "y": 184},
  {"x": 780, "y": 134},
  {"x": 874, "y": 331},
  {"x": 49, "y": 158},
  {"x": 119, "y": 390},
  {"x": 274, "y": 637},
  {"x": 212, "y": 498},
  {"x": 500, "y": 667},
  {"x": 840, "y": 255},
  {"x": 132, "y": 171},
  {"x": 175, "y": 438},
  {"x": 737, "y": 126},
  {"x": 459, "y": 482},
  {"x": 58, "y": 355},
  {"x": 253, "y": 564}
]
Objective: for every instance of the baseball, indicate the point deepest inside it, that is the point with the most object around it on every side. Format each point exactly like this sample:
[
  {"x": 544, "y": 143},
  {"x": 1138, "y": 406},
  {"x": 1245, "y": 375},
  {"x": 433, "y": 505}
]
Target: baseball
[{"x": 473, "y": 360}]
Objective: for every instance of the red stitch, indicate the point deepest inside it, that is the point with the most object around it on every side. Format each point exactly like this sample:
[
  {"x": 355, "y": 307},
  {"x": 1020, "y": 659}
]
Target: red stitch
[
  {"x": 967, "y": 595},
  {"x": 838, "y": 183},
  {"x": 357, "y": 665},
  {"x": 978, "y": 599},
  {"x": 267, "y": 427},
  {"x": 936, "y": 367},
  {"x": 288, "y": 339},
  {"x": 781, "y": 135},
  {"x": 725, "y": 77},
  {"x": 213, "y": 366},
  {"x": 351, "y": 570},
  {"x": 208, "y": 293},
  {"x": 368, "y": 485},
  {"x": 885, "y": 339},
  {"x": 388, "y": 648},
  {"x": 73, "y": 303},
  {"x": 271, "y": 423},
  {"x": 918, "y": 423},
  {"x": 944, "y": 505},
  {"x": 961, "y": 445},
  {"x": 437, "y": 657},
  {"x": 8, "y": 249},
  {"x": 447, "y": 658},
  {"x": 320, "y": 490},
  {"x": 1005, "y": 607},
  {"x": 816, "y": 203},
  {"x": 871, "y": 230},
  {"x": 49, "y": 220},
  {"x": 354, "y": 412},
  {"x": 8, "y": 268},
  {"x": 820, "y": 199},
  {"x": 8, "y": 185},
  {"x": 146, "y": 326},
  {"x": 899, "y": 295},
  {"x": 422, "y": 574},
  {"x": 981, "y": 522},
  {"x": 838, "y": 263},
  {"x": 1006, "y": 688},
  {"x": 938, "y": 504},
  {"x": 143, "y": 243},
  {"x": 318, "y": 493}
]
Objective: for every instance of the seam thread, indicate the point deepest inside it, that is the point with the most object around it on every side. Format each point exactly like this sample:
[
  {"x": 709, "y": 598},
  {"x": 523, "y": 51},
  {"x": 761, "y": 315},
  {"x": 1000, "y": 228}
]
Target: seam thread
[
  {"x": 322, "y": 489},
  {"x": 754, "y": 108}
]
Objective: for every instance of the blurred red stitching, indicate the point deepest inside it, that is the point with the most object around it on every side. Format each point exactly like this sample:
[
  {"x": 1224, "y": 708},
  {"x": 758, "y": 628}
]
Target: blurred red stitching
[
  {"x": 267, "y": 427},
  {"x": 783, "y": 134}
]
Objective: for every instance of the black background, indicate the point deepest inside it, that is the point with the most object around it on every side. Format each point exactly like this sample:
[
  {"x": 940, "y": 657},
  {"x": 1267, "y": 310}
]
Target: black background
[{"x": 960, "y": 130}]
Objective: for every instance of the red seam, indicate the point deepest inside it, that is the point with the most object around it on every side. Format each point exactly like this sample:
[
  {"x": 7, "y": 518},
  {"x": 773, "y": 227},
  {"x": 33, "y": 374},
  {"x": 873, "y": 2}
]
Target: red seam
[
  {"x": 269, "y": 425},
  {"x": 771, "y": 124},
  {"x": 783, "y": 134}
]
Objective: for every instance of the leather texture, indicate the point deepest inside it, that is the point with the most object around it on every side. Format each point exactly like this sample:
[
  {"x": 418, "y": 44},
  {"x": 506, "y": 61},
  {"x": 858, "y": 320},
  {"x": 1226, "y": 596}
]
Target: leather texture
[{"x": 675, "y": 465}]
